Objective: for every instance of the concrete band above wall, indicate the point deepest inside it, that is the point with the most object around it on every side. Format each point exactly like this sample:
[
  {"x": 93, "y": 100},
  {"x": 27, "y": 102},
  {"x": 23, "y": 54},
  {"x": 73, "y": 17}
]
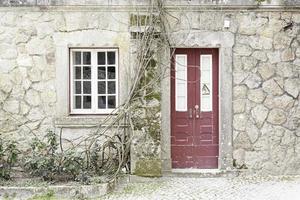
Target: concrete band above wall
[
  {"x": 144, "y": 2},
  {"x": 144, "y": 9}
]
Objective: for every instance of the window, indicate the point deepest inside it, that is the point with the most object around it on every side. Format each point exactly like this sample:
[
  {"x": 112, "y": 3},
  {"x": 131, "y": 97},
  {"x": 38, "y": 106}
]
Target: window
[
  {"x": 93, "y": 81},
  {"x": 206, "y": 83},
  {"x": 181, "y": 82}
]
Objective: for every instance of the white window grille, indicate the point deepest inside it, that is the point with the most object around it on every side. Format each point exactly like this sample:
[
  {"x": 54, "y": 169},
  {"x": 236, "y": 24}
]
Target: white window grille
[{"x": 93, "y": 81}]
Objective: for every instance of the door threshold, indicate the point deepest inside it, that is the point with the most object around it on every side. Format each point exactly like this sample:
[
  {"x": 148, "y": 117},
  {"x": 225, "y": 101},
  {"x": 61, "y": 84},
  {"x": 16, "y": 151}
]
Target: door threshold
[
  {"x": 205, "y": 173},
  {"x": 202, "y": 171}
]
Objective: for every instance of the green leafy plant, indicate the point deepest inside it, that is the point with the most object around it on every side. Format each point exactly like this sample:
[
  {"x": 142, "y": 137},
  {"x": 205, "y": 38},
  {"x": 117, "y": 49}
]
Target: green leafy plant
[
  {"x": 47, "y": 161},
  {"x": 8, "y": 157},
  {"x": 260, "y": 1},
  {"x": 73, "y": 164},
  {"x": 41, "y": 158}
]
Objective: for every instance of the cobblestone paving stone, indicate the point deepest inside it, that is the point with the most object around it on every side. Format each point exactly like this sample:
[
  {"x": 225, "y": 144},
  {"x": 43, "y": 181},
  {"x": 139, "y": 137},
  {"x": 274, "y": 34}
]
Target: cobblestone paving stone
[{"x": 237, "y": 188}]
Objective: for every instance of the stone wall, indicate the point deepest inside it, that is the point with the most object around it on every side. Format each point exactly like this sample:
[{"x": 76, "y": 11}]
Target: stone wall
[
  {"x": 34, "y": 70},
  {"x": 34, "y": 74},
  {"x": 27, "y": 72},
  {"x": 265, "y": 72},
  {"x": 266, "y": 83}
]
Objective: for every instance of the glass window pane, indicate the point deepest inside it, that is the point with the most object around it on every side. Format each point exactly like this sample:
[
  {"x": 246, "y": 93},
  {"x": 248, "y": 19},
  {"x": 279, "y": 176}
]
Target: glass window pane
[
  {"x": 78, "y": 72},
  {"x": 111, "y": 87},
  {"x": 181, "y": 88},
  {"x": 87, "y": 87},
  {"x": 205, "y": 103},
  {"x": 181, "y": 67},
  {"x": 111, "y": 101},
  {"x": 77, "y": 59},
  {"x": 101, "y": 58},
  {"x": 102, "y": 102},
  {"x": 77, "y": 102},
  {"x": 180, "y": 103},
  {"x": 181, "y": 83},
  {"x": 101, "y": 73},
  {"x": 111, "y": 72},
  {"x": 205, "y": 90},
  {"x": 206, "y": 61},
  {"x": 205, "y": 76},
  {"x": 101, "y": 87},
  {"x": 86, "y": 72},
  {"x": 86, "y": 56},
  {"x": 77, "y": 87},
  {"x": 87, "y": 102},
  {"x": 111, "y": 57},
  {"x": 206, "y": 83}
]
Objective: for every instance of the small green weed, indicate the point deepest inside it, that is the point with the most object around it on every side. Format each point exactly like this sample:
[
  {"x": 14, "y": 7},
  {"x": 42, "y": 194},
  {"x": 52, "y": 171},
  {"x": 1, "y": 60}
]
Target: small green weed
[{"x": 48, "y": 196}]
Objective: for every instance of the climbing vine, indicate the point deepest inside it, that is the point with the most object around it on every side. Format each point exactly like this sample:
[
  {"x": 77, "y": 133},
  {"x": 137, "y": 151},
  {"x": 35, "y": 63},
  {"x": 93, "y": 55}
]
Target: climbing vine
[{"x": 106, "y": 151}]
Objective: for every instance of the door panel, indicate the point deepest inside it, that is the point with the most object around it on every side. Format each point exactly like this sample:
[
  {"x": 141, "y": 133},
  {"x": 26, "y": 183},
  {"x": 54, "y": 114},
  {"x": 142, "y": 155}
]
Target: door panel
[{"x": 194, "y": 126}]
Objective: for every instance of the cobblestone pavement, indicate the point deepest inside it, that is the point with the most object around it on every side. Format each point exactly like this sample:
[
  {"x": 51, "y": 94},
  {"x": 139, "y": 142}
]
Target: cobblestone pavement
[{"x": 223, "y": 188}]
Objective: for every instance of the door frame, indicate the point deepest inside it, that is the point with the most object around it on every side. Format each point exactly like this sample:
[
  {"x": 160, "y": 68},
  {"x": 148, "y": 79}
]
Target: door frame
[
  {"x": 224, "y": 41},
  {"x": 194, "y": 95}
]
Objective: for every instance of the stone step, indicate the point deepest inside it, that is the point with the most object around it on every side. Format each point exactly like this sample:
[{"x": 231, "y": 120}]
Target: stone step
[
  {"x": 184, "y": 173},
  {"x": 201, "y": 173}
]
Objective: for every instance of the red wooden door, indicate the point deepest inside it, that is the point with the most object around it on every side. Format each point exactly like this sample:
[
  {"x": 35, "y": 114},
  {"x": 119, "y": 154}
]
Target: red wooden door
[{"x": 194, "y": 108}]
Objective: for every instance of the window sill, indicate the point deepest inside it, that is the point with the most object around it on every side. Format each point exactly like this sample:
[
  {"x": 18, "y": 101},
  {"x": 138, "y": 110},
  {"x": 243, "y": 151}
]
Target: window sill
[{"x": 81, "y": 121}]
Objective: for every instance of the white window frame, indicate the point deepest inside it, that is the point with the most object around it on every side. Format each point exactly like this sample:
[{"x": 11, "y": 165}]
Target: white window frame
[
  {"x": 94, "y": 81},
  {"x": 177, "y": 80},
  {"x": 206, "y": 108}
]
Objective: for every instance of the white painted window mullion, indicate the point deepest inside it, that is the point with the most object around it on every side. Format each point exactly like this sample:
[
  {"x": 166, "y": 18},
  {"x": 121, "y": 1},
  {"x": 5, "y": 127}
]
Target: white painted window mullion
[
  {"x": 106, "y": 82},
  {"x": 117, "y": 78},
  {"x": 94, "y": 80},
  {"x": 72, "y": 82}
]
